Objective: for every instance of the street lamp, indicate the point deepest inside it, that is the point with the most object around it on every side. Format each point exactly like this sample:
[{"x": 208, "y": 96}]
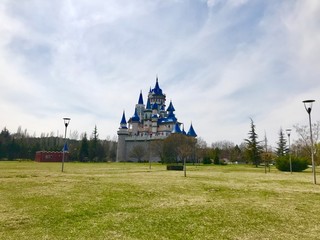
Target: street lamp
[
  {"x": 308, "y": 107},
  {"x": 288, "y": 130},
  {"x": 66, "y": 123}
]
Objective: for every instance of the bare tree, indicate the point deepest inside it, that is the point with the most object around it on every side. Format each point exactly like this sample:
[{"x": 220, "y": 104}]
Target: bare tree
[{"x": 138, "y": 152}]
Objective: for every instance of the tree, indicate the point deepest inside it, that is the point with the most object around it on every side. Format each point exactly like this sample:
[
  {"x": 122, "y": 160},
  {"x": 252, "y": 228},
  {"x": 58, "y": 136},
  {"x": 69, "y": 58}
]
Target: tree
[
  {"x": 93, "y": 144},
  {"x": 302, "y": 145},
  {"x": 138, "y": 152},
  {"x": 253, "y": 145},
  {"x": 281, "y": 149},
  {"x": 5, "y": 140},
  {"x": 84, "y": 149},
  {"x": 226, "y": 150},
  {"x": 156, "y": 147},
  {"x": 178, "y": 148}
]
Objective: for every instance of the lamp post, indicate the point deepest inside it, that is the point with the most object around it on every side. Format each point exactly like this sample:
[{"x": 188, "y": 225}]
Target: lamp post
[
  {"x": 66, "y": 123},
  {"x": 288, "y": 130},
  {"x": 308, "y": 107}
]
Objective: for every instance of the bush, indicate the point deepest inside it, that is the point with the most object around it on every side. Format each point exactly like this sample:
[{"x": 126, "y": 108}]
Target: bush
[
  {"x": 216, "y": 160},
  {"x": 207, "y": 160},
  {"x": 175, "y": 167},
  {"x": 298, "y": 164}
]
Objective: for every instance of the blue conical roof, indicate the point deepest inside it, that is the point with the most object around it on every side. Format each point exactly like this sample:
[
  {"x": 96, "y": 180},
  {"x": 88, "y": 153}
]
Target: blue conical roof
[
  {"x": 191, "y": 132},
  {"x": 176, "y": 129},
  {"x": 148, "y": 107},
  {"x": 172, "y": 117},
  {"x": 140, "y": 98},
  {"x": 135, "y": 117},
  {"x": 123, "y": 120},
  {"x": 157, "y": 90},
  {"x": 123, "y": 123},
  {"x": 170, "y": 108}
]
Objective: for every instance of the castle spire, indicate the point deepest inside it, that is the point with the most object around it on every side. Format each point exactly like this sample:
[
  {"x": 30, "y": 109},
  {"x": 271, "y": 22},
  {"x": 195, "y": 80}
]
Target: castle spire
[
  {"x": 140, "y": 98},
  {"x": 157, "y": 90},
  {"x": 170, "y": 107},
  {"x": 123, "y": 123},
  {"x": 191, "y": 132},
  {"x": 135, "y": 117}
]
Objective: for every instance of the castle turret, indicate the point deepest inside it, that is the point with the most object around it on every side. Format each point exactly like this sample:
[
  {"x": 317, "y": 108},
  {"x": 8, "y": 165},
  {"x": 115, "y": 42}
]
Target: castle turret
[
  {"x": 135, "y": 122},
  {"x": 140, "y": 106},
  {"x": 154, "y": 118},
  {"x": 122, "y": 134},
  {"x": 156, "y": 95},
  {"x": 191, "y": 132}
]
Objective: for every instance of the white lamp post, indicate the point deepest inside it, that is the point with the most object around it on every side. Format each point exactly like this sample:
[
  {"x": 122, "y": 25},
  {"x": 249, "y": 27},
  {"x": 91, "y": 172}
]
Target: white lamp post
[{"x": 308, "y": 107}]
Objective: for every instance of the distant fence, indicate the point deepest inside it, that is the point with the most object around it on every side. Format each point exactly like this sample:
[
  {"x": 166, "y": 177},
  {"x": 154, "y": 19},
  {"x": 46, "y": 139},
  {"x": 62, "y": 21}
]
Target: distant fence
[{"x": 45, "y": 156}]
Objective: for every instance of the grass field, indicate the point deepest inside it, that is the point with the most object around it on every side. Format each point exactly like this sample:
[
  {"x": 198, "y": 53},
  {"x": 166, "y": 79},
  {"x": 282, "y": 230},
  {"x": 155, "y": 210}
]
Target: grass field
[{"x": 129, "y": 201}]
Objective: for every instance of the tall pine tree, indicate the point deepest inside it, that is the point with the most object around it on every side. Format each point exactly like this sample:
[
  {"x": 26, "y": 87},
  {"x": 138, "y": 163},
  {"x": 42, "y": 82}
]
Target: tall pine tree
[
  {"x": 253, "y": 145},
  {"x": 281, "y": 149},
  {"x": 84, "y": 149}
]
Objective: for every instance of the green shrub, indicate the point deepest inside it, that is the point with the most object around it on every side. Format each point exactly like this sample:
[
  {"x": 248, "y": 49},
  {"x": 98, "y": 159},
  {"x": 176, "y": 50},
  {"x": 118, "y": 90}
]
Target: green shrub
[
  {"x": 175, "y": 167},
  {"x": 298, "y": 164},
  {"x": 207, "y": 160},
  {"x": 216, "y": 160}
]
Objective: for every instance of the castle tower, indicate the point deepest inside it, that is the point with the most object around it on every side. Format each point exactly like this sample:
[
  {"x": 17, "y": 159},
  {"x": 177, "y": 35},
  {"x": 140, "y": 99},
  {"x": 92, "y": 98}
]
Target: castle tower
[
  {"x": 135, "y": 120},
  {"x": 156, "y": 96},
  {"x": 140, "y": 106},
  {"x": 154, "y": 118},
  {"x": 122, "y": 134},
  {"x": 147, "y": 117}
]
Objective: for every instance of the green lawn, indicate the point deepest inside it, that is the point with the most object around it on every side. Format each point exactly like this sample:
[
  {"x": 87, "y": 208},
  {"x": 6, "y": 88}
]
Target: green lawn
[{"x": 128, "y": 201}]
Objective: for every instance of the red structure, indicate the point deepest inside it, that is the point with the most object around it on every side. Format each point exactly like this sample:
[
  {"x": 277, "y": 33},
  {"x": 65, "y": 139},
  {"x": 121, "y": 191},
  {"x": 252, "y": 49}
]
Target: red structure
[{"x": 44, "y": 156}]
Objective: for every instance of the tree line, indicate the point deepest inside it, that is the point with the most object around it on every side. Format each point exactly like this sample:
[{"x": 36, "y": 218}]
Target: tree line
[
  {"x": 22, "y": 145},
  {"x": 177, "y": 147},
  {"x": 174, "y": 149},
  {"x": 256, "y": 151}
]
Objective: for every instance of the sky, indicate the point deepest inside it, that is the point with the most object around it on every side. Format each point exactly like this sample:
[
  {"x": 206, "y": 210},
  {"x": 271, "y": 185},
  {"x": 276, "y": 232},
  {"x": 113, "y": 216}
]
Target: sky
[{"x": 220, "y": 62}]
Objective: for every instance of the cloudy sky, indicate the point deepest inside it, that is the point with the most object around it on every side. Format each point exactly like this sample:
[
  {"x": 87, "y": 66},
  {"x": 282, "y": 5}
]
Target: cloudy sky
[{"x": 221, "y": 62}]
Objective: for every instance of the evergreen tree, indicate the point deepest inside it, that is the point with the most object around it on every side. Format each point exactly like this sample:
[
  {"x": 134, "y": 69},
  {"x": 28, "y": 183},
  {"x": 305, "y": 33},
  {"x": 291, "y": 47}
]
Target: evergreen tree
[
  {"x": 253, "y": 146},
  {"x": 281, "y": 149},
  {"x": 5, "y": 140},
  {"x": 84, "y": 149},
  {"x": 96, "y": 150}
]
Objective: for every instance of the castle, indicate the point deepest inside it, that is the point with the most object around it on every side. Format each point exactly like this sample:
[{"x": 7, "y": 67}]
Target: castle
[{"x": 149, "y": 122}]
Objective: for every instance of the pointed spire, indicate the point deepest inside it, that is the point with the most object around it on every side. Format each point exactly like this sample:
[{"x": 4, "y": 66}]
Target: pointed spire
[
  {"x": 176, "y": 129},
  {"x": 148, "y": 107},
  {"x": 170, "y": 107},
  {"x": 140, "y": 98},
  {"x": 157, "y": 90},
  {"x": 123, "y": 120},
  {"x": 135, "y": 117},
  {"x": 191, "y": 132},
  {"x": 123, "y": 123}
]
